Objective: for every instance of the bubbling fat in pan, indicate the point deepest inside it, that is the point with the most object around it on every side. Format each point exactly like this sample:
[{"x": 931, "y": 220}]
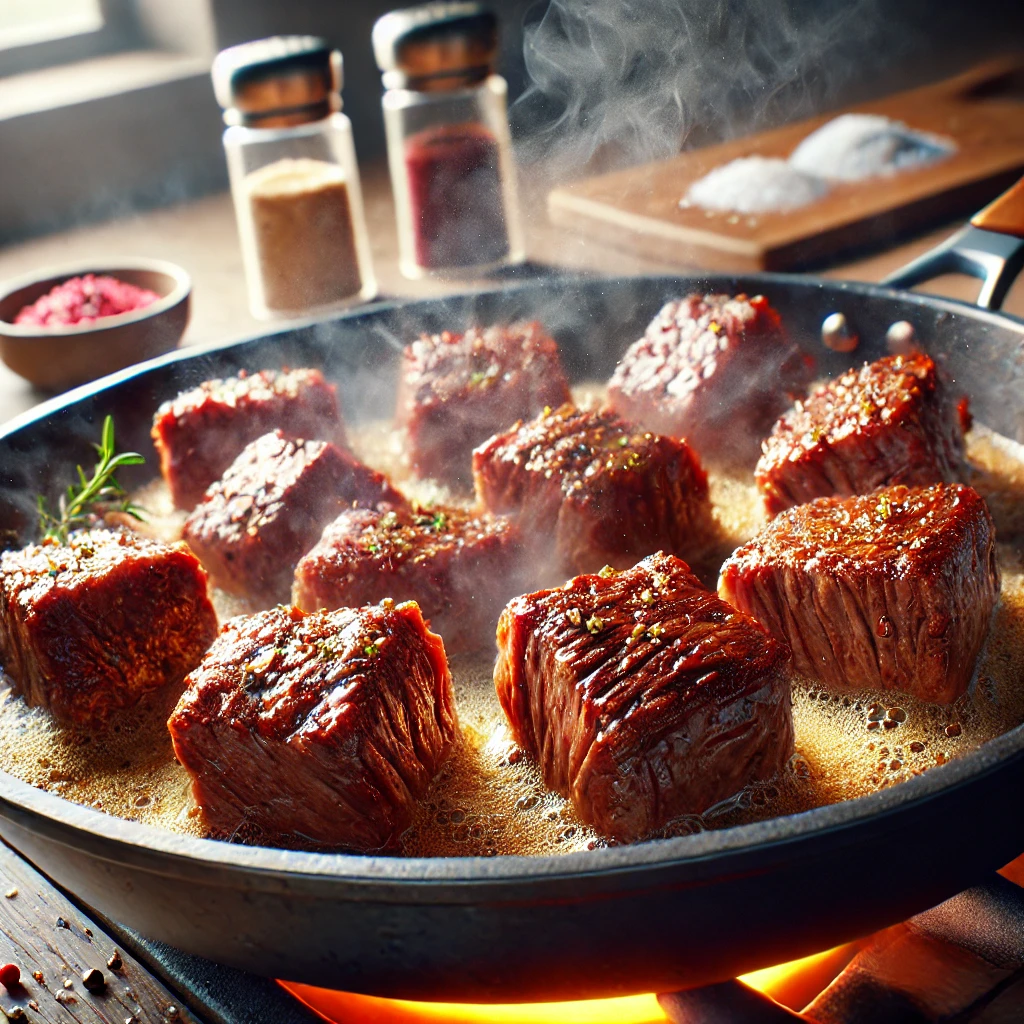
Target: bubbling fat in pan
[{"x": 490, "y": 800}]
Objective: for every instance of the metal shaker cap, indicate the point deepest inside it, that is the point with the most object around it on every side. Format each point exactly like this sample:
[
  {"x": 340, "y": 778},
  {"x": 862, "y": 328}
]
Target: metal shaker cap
[
  {"x": 284, "y": 80},
  {"x": 436, "y": 46}
]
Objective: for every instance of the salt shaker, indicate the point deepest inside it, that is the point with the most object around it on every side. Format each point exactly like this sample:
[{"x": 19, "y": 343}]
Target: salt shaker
[
  {"x": 294, "y": 178},
  {"x": 449, "y": 149}
]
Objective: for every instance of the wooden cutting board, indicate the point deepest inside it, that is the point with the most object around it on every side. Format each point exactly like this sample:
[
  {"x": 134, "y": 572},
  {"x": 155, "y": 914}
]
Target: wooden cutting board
[{"x": 637, "y": 209}]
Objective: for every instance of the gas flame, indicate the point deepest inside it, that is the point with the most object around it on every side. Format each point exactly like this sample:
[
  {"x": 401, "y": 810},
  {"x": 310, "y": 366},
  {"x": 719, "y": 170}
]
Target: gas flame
[{"x": 793, "y": 984}]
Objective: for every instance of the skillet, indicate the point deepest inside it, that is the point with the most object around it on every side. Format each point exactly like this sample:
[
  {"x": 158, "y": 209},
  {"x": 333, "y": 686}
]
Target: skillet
[{"x": 654, "y": 916}]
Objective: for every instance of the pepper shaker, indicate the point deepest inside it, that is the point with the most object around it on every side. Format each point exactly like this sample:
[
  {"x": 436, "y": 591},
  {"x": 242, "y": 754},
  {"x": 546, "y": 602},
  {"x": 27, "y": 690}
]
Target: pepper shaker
[
  {"x": 294, "y": 178},
  {"x": 449, "y": 149}
]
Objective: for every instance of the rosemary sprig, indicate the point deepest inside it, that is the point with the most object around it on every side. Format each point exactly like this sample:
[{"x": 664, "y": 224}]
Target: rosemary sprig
[{"x": 81, "y": 499}]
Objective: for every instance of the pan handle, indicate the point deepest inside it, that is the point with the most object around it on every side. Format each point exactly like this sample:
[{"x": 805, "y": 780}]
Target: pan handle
[{"x": 990, "y": 247}]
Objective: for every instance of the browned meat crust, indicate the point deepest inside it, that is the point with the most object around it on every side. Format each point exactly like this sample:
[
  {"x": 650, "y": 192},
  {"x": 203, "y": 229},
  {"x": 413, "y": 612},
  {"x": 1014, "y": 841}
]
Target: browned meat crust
[
  {"x": 643, "y": 695},
  {"x": 892, "y": 590},
  {"x": 270, "y": 507},
  {"x": 459, "y": 567},
  {"x": 890, "y": 422},
  {"x": 199, "y": 433},
  {"x": 715, "y": 369},
  {"x": 589, "y": 489},
  {"x": 317, "y": 731},
  {"x": 89, "y": 627},
  {"x": 456, "y": 390}
]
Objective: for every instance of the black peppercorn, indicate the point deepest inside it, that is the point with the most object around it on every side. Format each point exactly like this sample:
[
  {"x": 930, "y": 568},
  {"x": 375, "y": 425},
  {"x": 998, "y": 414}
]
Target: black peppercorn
[{"x": 93, "y": 980}]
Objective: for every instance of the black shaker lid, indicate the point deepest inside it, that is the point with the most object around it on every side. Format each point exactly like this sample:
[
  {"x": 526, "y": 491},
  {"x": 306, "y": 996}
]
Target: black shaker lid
[
  {"x": 268, "y": 78},
  {"x": 436, "y": 46}
]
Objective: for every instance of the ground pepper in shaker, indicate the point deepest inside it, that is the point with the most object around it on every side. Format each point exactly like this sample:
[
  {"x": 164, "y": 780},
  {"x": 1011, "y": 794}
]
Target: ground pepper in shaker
[
  {"x": 448, "y": 140},
  {"x": 294, "y": 177}
]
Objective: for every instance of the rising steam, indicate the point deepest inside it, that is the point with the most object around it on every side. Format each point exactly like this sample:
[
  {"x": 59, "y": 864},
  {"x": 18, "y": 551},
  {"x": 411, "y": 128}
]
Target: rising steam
[{"x": 616, "y": 82}]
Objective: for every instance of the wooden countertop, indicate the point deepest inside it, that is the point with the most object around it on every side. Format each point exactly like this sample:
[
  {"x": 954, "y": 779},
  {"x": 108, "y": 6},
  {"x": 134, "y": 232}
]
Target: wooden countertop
[
  {"x": 55, "y": 945},
  {"x": 200, "y": 236}
]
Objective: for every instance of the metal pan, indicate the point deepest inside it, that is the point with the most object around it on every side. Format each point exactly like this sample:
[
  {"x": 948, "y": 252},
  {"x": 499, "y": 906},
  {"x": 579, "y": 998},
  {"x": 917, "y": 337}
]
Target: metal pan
[{"x": 649, "y": 917}]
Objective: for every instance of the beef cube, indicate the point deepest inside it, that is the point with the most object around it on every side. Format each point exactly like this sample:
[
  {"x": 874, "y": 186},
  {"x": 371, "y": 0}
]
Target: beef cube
[
  {"x": 459, "y": 567},
  {"x": 643, "y": 695},
  {"x": 317, "y": 731},
  {"x": 199, "y": 433},
  {"x": 456, "y": 390},
  {"x": 89, "y": 627},
  {"x": 888, "y": 591},
  {"x": 890, "y": 422},
  {"x": 270, "y": 507},
  {"x": 589, "y": 489},
  {"x": 715, "y": 369}
]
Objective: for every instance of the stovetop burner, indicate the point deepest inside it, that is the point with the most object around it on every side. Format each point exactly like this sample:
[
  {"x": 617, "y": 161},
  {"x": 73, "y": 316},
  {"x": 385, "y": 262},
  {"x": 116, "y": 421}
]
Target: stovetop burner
[
  {"x": 221, "y": 995},
  {"x": 793, "y": 985}
]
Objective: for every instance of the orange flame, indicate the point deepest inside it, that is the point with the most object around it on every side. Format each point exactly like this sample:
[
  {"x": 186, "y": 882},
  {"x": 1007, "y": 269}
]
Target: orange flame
[{"x": 794, "y": 984}]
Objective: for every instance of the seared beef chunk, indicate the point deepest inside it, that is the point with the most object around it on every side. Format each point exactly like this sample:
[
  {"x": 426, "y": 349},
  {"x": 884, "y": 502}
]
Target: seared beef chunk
[
  {"x": 892, "y": 590},
  {"x": 715, "y": 369},
  {"x": 460, "y": 568},
  {"x": 200, "y": 432},
  {"x": 456, "y": 390},
  {"x": 593, "y": 490},
  {"x": 317, "y": 730},
  {"x": 89, "y": 627},
  {"x": 890, "y": 422},
  {"x": 270, "y": 507},
  {"x": 643, "y": 695}
]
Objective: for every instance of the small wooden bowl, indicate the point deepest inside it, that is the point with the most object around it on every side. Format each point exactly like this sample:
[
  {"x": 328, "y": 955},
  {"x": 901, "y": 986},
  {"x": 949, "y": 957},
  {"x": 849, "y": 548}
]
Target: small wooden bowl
[{"x": 58, "y": 358}]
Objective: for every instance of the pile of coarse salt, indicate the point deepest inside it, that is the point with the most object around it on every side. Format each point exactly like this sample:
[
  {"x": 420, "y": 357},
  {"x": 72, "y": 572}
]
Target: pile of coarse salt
[
  {"x": 851, "y": 147},
  {"x": 755, "y": 184},
  {"x": 854, "y": 147}
]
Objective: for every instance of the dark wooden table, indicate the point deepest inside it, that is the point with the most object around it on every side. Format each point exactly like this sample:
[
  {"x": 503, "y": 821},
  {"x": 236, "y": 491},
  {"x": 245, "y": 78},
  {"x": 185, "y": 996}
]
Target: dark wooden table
[{"x": 55, "y": 944}]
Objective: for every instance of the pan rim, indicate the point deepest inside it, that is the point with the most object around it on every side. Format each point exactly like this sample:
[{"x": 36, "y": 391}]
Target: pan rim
[
  {"x": 67, "y": 821},
  {"x": 64, "y": 401}
]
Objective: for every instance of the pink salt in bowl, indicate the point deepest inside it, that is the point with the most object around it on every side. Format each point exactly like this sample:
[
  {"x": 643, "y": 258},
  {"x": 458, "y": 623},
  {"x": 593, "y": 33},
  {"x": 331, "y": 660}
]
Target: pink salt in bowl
[{"x": 55, "y": 358}]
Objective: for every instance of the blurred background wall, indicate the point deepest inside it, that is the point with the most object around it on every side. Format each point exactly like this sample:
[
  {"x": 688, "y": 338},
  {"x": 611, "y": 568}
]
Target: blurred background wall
[{"x": 595, "y": 83}]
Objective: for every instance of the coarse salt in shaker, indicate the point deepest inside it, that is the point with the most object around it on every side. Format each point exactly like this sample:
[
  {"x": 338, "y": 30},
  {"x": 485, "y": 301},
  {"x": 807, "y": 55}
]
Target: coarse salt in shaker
[
  {"x": 448, "y": 140},
  {"x": 294, "y": 177}
]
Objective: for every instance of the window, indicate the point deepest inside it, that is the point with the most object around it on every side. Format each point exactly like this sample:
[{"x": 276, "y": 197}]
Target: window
[
  {"x": 41, "y": 33},
  {"x": 34, "y": 21}
]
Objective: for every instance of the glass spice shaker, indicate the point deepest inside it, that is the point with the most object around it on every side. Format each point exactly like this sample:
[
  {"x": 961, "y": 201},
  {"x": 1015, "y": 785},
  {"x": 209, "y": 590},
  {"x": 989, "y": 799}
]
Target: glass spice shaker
[
  {"x": 294, "y": 178},
  {"x": 449, "y": 148}
]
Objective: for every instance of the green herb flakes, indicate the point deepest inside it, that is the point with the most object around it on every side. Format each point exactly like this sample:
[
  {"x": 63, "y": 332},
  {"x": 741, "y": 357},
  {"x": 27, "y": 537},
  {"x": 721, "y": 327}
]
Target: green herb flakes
[{"x": 329, "y": 647}]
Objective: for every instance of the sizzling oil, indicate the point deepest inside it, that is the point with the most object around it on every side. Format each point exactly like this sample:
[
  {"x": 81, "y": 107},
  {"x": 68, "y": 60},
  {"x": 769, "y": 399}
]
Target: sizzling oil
[{"x": 490, "y": 799}]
